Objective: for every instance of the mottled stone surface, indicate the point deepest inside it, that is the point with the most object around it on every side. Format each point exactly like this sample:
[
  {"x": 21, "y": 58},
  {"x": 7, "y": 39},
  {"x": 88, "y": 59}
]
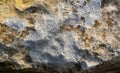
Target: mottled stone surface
[{"x": 59, "y": 33}]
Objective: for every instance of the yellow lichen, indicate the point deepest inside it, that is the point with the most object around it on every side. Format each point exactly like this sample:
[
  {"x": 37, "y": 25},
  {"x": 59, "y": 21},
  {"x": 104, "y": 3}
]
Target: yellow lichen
[
  {"x": 23, "y": 4},
  {"x": 6, "y": 10},
  {"x": 7, "y": 7}
]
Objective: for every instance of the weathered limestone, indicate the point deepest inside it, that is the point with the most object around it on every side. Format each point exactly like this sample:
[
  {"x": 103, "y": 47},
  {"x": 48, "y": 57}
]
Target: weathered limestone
[{"x": 59, "y": 33}]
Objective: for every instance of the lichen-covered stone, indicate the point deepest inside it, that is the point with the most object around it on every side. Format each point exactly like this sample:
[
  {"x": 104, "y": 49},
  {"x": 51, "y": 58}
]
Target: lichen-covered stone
[{"x": 59, "y": 33}]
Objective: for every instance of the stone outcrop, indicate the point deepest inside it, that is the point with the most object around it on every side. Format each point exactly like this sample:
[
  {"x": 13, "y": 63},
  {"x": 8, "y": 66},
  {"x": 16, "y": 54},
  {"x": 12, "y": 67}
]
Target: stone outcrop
[{"x": 59, "y": 34}]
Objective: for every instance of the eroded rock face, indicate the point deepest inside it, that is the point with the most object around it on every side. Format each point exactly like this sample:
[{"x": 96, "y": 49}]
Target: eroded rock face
[{"x": 59, "y": 33}]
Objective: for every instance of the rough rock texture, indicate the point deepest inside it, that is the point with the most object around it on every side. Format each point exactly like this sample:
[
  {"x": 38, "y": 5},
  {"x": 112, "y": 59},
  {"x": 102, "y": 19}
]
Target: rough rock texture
[{"x": 60, "y": 34}]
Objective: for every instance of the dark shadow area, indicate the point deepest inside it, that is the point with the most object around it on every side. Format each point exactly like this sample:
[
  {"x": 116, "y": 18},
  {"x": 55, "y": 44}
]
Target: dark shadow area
[{"x": 112, "y": 66}]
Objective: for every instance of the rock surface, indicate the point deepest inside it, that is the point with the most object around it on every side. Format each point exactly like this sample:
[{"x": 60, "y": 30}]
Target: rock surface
[{"x": 61, "y": 34}]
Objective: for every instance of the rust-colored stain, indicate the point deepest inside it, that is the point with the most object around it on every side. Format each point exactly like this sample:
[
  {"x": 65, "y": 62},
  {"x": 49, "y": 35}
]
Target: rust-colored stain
[
  {"x": 97, "y": 23},
  {"x": 66, "y": 27}
]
